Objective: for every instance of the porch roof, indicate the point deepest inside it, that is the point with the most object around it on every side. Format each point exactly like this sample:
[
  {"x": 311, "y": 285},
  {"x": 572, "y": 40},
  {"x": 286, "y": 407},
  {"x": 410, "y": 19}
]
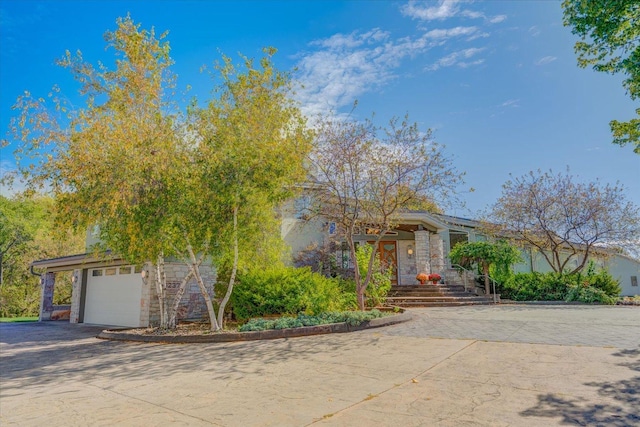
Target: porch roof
[
  {"x": 433, "y": 222},
  {"x": 79, "y": 261}
]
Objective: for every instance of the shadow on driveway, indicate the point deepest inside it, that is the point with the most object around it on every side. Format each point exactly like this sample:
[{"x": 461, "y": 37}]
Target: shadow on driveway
[
  {"x": 626, "y": 393},
  {"x": 62, "y": 351}
]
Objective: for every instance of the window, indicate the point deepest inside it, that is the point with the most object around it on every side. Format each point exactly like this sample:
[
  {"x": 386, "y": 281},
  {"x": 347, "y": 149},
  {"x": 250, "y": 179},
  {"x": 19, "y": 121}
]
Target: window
[
  {"x": 457, "y": 237},
  {"x": 96, "y": 273},
  {"x": 344, "y": 255},
  {"x": 110, "y": 272},
  {"x": 125, "y": 270},
  {"x": 302, "y": 207},
  {"x": 138, "y": 269},
  {"x": 332, "y": 228},
  {"x": 634, "y": 280}
]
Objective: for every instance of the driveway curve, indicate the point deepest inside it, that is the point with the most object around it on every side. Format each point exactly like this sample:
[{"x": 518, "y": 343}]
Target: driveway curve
[{"x": 470, "y": 366}]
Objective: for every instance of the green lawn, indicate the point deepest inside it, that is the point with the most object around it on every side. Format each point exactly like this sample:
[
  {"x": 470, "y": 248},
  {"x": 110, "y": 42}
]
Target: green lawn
[{"x": 18, "y": 319}]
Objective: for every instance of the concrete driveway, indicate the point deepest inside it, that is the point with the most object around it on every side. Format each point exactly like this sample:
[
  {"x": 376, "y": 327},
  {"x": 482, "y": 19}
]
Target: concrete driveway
[{"x": 468, "y": 366}]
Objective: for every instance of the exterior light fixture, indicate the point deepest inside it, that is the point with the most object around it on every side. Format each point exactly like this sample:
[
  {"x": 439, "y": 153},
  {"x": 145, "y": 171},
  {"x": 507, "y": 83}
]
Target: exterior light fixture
[{"x": 410, "y": 251}]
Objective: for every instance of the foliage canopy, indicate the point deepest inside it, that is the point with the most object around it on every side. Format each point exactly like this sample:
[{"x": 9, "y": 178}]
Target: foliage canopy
[
  {"x": 566, "y": 221},
  {"x": 609, "y": 32}
]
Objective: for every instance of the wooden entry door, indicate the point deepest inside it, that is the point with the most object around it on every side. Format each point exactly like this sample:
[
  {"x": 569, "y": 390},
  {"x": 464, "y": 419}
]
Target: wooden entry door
[{"x": 389, "y": 257}]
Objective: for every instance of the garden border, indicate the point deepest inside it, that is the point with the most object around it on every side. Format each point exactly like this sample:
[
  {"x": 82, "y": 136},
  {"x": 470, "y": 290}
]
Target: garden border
[{"x": 331, "y": 328}]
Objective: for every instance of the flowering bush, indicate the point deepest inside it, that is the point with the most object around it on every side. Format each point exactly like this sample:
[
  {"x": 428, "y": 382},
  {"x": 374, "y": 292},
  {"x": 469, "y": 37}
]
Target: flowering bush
[
  {"x": 434, "y": 277},
  {"x": 422, "y": 277}
]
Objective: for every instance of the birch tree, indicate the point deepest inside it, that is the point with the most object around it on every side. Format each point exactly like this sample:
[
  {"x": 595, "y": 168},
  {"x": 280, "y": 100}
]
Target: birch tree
[
  {"x": 368, "y": 175},
  {"x": 198, "y": 187},
  {"x": 115, "y": 161},
  {"x": 253, "y": 142}
]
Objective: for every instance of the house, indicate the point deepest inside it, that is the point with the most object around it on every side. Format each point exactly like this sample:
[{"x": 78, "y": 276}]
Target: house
[{"x": 109, "y": 291}]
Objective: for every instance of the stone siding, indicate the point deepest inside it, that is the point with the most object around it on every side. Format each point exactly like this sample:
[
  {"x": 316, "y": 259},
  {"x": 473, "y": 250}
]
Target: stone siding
[
  {"x": 47, "y": 285},
  {"x": 406, "y": 266},
  {"x": 436, "y": 248},
  {"x": 192, "y": 305},
  {"x": 76, "y": 289},
  {"x": 422, "y": 252}
]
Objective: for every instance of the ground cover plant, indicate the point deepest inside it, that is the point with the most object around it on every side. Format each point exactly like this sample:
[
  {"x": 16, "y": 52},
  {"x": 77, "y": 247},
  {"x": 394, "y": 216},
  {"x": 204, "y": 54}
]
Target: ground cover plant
[
  {"x": 18, "y": 319},
  {"x": 352, "y": 318}
]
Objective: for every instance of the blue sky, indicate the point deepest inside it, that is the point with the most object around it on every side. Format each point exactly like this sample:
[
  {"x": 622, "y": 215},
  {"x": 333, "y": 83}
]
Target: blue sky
[{"x": 496, "y": 81}]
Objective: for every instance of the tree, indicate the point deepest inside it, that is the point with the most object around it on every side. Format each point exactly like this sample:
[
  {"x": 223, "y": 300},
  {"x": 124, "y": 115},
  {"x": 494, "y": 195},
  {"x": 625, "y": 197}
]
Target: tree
[
  {"x": 564, "y": 219},
  {"x": 253, "y": 141},
  {"x": 367, "y": 175},
  {"x": 116, "y": 160},
  {"x": 499, "y": 255},
  {"x": 196, "y": 187},
  {"x": 26, "y": 233},
  {"x": 609, "y": 32}
]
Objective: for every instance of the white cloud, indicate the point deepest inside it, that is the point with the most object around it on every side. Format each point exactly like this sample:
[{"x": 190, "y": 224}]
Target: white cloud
[
  {"x": 342, "y": 41},
  {"x": 513, "y": 103},
  {"x": 450, "y": 32},
  {"x": 534, "y": 31},
  {"x": 456, "y": 58},
  {"x": 336, "y": 70},
  {"x": 470, "y": 64},
  {"x": 444, "y": 9},
  {"x": 546, "y": 60},
  {"x": 348, "y": 65}
]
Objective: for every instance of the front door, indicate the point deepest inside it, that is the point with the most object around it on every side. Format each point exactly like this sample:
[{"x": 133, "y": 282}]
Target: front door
[{"x": 389, "y": 258}]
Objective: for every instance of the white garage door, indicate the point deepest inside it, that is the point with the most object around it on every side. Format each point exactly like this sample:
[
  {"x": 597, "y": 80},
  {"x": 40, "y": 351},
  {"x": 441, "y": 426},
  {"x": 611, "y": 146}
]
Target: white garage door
[{"x": 113, "y": 296}]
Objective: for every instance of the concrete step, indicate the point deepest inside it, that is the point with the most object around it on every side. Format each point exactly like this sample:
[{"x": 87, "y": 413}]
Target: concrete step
[
  {"x": 437, "y": 299},
  {"x": 441, "y": 304},
  {"x": 430, "y": 295},
  {"x": 431, "y": 288},
  {"x": 441, "y": 295}
]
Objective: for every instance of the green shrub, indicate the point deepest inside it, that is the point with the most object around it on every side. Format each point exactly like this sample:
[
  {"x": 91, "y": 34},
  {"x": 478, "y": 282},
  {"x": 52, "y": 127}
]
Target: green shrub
[
  {"x": 380, "y": 283},
  {"x": 589, "y": 294},
  {"x": 590, "y": 286},
  {"x": 286, "y": 290},
  {"x": 352, "y": 318},
  {"x": 534, "y": 287}
]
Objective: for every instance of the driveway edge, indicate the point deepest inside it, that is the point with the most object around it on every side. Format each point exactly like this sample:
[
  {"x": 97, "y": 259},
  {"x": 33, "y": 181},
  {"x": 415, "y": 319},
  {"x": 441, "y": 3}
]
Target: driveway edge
[{"x": 332, "y": 328}]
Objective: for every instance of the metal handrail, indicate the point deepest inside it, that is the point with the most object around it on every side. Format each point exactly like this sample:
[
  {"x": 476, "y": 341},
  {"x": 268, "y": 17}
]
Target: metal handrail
[
  {"x": 464, "y": 276},
  {"x": 475, "y": 275}
]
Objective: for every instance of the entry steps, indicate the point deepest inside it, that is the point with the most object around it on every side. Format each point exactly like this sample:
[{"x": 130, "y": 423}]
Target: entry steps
[{"x": 430, "y": 295}]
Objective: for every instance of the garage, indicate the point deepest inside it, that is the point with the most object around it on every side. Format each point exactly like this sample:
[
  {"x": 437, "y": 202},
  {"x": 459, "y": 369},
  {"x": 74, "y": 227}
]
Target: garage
[{"x": 113, "y": 296}]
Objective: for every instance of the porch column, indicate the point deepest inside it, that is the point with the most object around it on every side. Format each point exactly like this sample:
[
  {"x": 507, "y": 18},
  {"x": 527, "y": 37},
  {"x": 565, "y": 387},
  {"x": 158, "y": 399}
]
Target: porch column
[
  {"x": 76, "y": 291},
  {"x": 436, "y": 246},
  {"x": 47, "y": 284},
  {"x": 422, "y": 251}
]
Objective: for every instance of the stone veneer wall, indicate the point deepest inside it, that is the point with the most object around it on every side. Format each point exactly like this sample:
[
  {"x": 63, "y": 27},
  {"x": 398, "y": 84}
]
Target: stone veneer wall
[
  {"x": 436, "y": 248},
  {"x": 406, "y": 266},
  {"x": 422, "y": 252},
  {"x": 47, "y": 285},
  {"x": 76, "y": 289},
  {"x": 192, "y": 305}
]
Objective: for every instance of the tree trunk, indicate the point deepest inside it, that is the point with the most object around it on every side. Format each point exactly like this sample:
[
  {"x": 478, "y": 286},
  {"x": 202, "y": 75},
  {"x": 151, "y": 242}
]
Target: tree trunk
[
  {"x": 173, "y": 313},
  {"x": 161, "y": 280},
  {"x": 234, "y": 270},
  {"x": 356, "y": 270},
  {"x": 485, "y": 270},
  {"x": 203, "y": 290}
]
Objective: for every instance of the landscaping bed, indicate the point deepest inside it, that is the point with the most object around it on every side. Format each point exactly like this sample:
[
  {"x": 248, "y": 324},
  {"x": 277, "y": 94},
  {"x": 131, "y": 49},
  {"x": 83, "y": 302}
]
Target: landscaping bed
[{"x": 200, "y": 333}]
